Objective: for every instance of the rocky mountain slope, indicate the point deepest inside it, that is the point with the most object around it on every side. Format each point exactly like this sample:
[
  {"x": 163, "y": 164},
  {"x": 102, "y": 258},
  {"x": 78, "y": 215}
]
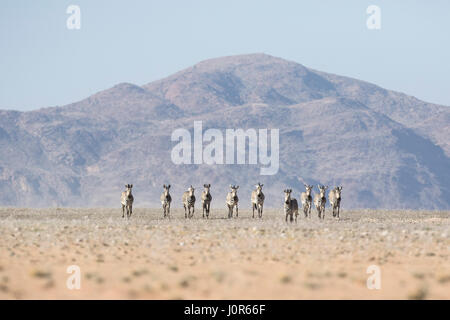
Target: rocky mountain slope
[{"x": 387, "y": 149}]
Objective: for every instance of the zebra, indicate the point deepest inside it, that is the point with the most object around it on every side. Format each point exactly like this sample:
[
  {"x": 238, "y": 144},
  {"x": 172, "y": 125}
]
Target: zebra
[
  {"x": 290, "y": 205},
  {"x": 166, "y": 199},
  {"x": 206, "y": 200},
  {"x": 127, "y": 201},
  {"x": 335, "y": 200},
  {"x": 320, "y": 200},
  {"x": 232, "y": 201},
  {"x": 257, "y": 200},
  {"x": 189, "y": 202},
  {"x": 306, "y": 199}
]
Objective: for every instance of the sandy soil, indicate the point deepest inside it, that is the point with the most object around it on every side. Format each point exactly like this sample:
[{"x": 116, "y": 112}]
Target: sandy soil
[{"x": 148, "y": 257}]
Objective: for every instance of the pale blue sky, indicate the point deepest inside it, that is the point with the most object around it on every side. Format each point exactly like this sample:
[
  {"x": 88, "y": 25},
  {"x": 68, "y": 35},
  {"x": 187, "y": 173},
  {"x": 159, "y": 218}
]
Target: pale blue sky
[{"x": 45, "y": 64}]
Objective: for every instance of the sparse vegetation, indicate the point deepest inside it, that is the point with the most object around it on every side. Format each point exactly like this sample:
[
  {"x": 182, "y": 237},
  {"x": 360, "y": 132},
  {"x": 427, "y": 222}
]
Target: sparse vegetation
[{"x": 223, "y": 258}]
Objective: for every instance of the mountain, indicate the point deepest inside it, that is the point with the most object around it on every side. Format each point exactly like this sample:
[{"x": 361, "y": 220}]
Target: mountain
[{"x": 387, "y": 149}]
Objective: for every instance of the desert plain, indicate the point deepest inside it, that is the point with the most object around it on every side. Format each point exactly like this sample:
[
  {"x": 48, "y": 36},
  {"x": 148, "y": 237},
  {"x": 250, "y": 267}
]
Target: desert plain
[{"x": 148, "y": 257}]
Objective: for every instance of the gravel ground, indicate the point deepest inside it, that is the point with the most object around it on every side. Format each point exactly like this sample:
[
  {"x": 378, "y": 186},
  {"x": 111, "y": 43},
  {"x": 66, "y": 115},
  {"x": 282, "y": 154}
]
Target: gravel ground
[{"x": 148, "y": 257}]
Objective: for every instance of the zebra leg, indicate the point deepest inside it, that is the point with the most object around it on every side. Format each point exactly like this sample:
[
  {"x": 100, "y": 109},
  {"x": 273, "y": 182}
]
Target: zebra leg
[
  {"x": 123, "y": 211},
  {"x": 338, "y": 212},
  {"x": 207, "y": 210},
  {"x": 237, "y": 212},
  {"x": 261, "y": 211},
  {"x": 185, "y": 213},
  {"x": 253, "y": 208}
]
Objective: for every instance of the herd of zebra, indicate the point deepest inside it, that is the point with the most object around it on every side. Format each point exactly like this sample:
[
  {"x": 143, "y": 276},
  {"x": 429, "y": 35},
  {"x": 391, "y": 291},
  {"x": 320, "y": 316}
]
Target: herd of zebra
[{"x": 232, "y": 200}]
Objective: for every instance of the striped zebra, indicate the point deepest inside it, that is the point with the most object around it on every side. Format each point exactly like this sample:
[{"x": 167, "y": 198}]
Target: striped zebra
[
  {"x": 335, "y": 200},
  {"x": 306, "y": 199},
  {"x": 166, "y": 199},
  {"x": 320, "y": 201},
  {"x": 257, "y": 200},
  {"x": 127, "y": 201},
  {"x": 290, "y": 205},
  {"x": 189, "y": 202},
  {"x": 206, "y": 200},
  {"x": 232, "y": 201}
]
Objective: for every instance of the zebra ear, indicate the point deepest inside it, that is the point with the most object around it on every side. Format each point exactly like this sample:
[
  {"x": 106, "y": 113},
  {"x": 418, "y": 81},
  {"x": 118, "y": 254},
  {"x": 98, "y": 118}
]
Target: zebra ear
[
  {"x": 237, "y": 187},
  {"x": 131, "y": 186},
  {"x": 164, "y": 186},
  {"x": 168, "y": 187}
]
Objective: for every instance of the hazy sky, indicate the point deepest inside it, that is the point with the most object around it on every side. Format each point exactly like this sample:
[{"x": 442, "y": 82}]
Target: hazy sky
[{"x": 43, "y": 63}]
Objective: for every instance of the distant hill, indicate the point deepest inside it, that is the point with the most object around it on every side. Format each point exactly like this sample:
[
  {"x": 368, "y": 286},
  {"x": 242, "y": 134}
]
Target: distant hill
[{"x": 387, "y": 149}]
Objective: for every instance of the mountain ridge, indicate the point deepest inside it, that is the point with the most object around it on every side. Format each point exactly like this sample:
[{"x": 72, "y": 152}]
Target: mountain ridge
[{"x": 333, "y": 130}]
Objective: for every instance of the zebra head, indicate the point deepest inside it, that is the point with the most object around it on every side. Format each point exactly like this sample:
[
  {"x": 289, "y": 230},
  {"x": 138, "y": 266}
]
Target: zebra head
[
  {"x": 207, "y": 187},
  {"x": 322, "y": 190},
  {"x": 166, "y": 190},
  {"x": 128, "y": 188},
  {"x": 234, "y": 189},
  {"x": 337, "y": 192},
  {"x": 191, "y": 191},
  {"x": 287, "y": 196},
  {"x": 308, "y": 189},
  {"x": 259, "y": 187}
]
